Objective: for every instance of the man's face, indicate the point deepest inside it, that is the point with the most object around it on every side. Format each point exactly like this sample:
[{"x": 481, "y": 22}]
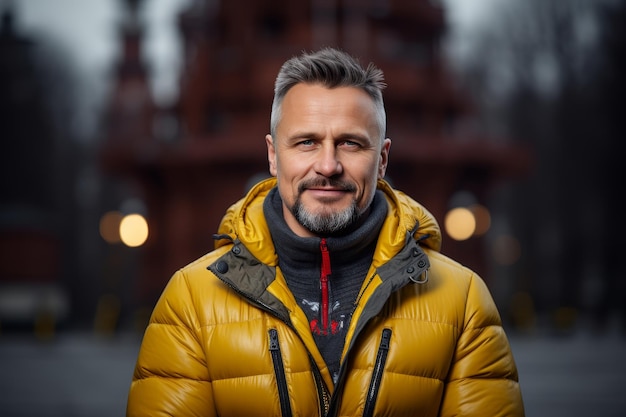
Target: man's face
[{"x": 327, "y": 156}]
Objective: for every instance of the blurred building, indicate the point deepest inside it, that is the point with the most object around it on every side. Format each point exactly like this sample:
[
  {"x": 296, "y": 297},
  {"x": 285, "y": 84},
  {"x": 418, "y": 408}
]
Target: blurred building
[
  {"x": 187, "y": 163},
  {"x": 33, "y": 290}
]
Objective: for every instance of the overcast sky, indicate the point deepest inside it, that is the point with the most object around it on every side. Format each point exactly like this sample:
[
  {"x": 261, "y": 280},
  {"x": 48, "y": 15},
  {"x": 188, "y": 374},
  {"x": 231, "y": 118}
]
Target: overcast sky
[{"x": 88, "y": 30}]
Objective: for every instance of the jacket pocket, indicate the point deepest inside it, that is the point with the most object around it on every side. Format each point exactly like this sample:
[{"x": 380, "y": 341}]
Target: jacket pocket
[
  {"x": 279, "y": 371},
  {"x": 377, "y": 373}
]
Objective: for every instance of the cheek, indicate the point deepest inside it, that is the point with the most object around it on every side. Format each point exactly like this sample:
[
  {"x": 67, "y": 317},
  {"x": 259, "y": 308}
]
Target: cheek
[
  {"x": 367, "y": 174},
  {"x": 292, "y": 171},
  {"x": 287, "y": 187},
  {"x": 367, "y": 185}
]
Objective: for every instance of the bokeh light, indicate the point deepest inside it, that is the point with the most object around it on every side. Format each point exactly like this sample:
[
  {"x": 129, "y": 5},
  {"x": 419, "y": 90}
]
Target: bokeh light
[
  {"x": 110, "y": 227},
  {"x": 134, "y": 230},
  {"x": 482, "y": 217},
  {"x": 460, "y": 223}
]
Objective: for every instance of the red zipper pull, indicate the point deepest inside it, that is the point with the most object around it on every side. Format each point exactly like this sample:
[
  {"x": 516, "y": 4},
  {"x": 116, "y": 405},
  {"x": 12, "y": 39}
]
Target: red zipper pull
[{"x": 324, "y": 276}]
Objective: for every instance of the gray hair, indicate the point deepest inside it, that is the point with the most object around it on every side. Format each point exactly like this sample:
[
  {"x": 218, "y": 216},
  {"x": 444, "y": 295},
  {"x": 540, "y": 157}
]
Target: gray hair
[{"x": 331, "y": 68}]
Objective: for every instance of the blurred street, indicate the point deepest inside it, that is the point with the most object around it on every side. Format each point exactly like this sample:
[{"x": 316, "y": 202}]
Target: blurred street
[{"x": 79, "y": 374}]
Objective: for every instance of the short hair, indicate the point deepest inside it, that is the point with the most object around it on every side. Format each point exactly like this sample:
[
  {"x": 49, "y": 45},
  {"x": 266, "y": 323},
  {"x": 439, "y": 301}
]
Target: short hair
[{"x": 331, "y": 68}]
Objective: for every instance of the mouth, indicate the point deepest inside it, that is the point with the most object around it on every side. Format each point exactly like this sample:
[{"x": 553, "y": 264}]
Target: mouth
[
  {"x": 329, "y": 189},
  {"x": 326, "y": 193},
  {"x": 326, "y": 184}
]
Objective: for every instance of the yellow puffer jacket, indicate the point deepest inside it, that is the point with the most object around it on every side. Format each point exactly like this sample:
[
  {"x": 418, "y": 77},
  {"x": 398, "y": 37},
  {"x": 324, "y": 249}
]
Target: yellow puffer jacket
[{"x": 227, "y": 337}]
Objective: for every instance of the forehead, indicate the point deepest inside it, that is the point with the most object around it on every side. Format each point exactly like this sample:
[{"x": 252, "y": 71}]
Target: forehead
[{"x": 316, "y": 103}]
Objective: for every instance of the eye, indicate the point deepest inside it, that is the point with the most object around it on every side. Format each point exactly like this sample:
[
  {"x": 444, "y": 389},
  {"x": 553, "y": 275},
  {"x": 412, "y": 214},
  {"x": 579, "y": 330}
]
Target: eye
[{"x": 350, "y": 144}]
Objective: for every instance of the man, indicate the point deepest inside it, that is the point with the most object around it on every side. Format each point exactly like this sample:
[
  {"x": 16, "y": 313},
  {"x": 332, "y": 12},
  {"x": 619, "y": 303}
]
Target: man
[{"x": 326, "y": 294}]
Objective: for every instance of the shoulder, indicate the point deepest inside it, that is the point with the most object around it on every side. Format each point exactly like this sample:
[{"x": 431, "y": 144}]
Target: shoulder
[
  {"x": 459, "y": 288},
  {"x": 190, "y": 288},
  {"x": 197, "y": 269},
  {"x": 449, "y": 272}
]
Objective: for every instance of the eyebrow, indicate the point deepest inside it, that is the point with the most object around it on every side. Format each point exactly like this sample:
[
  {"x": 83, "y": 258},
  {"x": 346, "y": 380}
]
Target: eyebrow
[
  {"x": 344, "y": 136},
  {"x": 302, "y": 134}
]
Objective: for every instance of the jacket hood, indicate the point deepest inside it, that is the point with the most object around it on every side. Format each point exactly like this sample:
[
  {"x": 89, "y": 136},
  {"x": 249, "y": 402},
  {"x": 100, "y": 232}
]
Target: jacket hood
[{"x": 245, "y": 221}]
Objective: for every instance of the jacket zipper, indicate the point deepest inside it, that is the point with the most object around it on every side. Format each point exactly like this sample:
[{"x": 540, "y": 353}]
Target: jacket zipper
[
  {"x": 279, "y": 371},
  {"x": 377, "y": 373},
  {"x": 325, "y": 272},
  {"x": 323, "y": 394}
]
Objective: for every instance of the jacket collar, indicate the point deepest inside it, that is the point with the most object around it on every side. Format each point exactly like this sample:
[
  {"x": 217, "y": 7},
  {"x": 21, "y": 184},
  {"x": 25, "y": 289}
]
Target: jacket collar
[{"x": 245, "y": 221}]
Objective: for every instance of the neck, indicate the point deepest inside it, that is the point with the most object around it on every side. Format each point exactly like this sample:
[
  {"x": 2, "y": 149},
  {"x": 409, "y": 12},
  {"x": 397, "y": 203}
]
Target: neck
[{"x": 350, "y": 243}]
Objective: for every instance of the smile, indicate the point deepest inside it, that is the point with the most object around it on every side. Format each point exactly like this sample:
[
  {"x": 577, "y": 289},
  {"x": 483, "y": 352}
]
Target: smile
[{"x": 327, "y": 192}]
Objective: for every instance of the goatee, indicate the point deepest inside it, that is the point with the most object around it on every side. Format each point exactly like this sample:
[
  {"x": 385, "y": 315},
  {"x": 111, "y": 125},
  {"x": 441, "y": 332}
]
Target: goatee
[{"x": 327, "y": 222}]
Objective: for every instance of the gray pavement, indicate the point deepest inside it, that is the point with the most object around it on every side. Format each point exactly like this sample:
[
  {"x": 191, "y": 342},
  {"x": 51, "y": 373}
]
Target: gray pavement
[
  {"x": 75, "y": 375},
  {"x": 80, "y": 375},
  {"x": 574, "y": 376}
]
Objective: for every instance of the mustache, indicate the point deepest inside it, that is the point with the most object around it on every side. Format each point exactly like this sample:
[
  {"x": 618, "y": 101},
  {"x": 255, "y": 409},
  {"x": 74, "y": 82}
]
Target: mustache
[{"x": 326, "y": 182}]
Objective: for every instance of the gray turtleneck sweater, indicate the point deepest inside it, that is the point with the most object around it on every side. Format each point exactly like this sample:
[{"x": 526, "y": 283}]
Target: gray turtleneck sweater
[{"x": 302, "y": 263}]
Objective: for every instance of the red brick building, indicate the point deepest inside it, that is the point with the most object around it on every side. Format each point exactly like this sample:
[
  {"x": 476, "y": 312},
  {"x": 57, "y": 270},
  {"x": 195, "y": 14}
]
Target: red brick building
[{"x": 190, "y": 162}]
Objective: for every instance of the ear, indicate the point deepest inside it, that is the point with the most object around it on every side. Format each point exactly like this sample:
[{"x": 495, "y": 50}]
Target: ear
[
  {"x": 271, "y": 154},
  {"x": 384, "y": 158}
]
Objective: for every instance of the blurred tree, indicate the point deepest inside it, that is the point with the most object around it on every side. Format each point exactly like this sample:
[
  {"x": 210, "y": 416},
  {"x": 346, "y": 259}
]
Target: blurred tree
[
  {"x": 40, "y": 159},
  {"x": 551, "y": 73},
  {"x": 608, "y": 99}
]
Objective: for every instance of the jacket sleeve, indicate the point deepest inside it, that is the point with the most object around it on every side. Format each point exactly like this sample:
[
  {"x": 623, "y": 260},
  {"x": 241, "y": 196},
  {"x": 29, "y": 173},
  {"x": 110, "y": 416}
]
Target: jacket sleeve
[
  {"x": 483, "y": 379},
  {"x": 171, "y": 376}
]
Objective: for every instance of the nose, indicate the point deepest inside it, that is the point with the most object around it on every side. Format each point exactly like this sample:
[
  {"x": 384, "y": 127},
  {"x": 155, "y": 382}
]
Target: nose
[{"x": 327, "y": 163}]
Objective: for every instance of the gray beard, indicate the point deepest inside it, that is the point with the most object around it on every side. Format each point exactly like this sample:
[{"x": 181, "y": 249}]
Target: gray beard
[{"x": 326, "y": 223}]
